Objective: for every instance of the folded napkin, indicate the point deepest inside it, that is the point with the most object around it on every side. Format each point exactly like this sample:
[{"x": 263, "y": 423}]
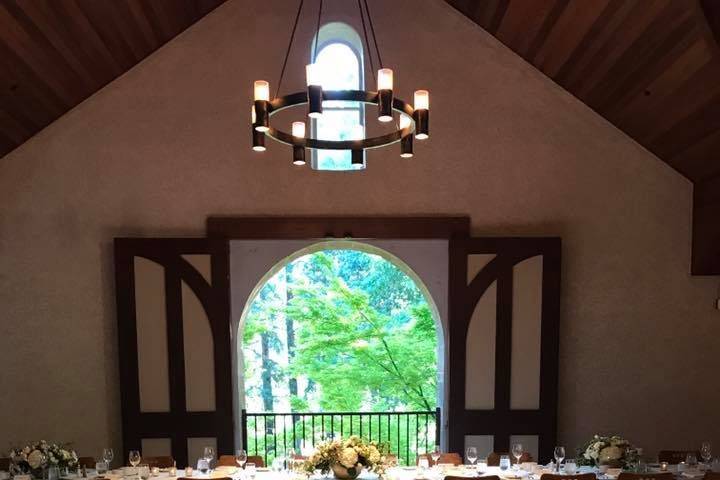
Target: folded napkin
[{"x": 693, "y": 474}]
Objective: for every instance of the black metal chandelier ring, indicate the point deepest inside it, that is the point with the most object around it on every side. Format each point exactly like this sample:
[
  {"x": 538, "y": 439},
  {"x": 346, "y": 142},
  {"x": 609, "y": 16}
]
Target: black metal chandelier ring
[{"x": 301, "y": 98}]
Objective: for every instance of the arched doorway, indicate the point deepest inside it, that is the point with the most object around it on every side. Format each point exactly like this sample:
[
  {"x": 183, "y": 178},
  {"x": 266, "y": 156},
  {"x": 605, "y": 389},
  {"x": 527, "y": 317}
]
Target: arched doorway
[{"x": 340, "y": 326}]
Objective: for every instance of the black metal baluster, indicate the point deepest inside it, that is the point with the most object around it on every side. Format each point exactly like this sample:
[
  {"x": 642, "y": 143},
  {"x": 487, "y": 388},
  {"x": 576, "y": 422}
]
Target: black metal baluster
[
  {"x": 256, "y": 422},
  {"x": 351, "y": 424},
  {"x": 407, "y": 438},
  {"x": 312, "y": 418},
  {"x": 398, "y": 436},
  {"x": 426, "y": 433}
]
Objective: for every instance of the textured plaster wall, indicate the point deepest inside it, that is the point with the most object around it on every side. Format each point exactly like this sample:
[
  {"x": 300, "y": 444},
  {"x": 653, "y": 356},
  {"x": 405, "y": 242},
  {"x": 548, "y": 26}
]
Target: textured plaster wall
[{"x": 167, "y": 144}]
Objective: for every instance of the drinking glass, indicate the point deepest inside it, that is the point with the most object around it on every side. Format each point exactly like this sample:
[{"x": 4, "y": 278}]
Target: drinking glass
[
  {"x": 240, "y": 458},
  {"x": 423, "y": 463},
  {"x": 570, "y": 466},
  {"x": 706, "y": 452},
  {"x": 203, "y": 465},
  {"x": 209, "y": 455},
  {"x": 504, "y": 462},
  {"x": 435, "y": 455},
  {"x": 250, "y": 470},
  {"x": 471, "y": 455},
  {"x": 559, "y": 456},
  {"x": 144, "y": 471},
  {"x": 691, "y": 461},
  {"x": 101, "y": 468},
  {"x": 108, "y": 456},
  {"x": 517, "y": 451},
  {"x": 134, "y": 458}
]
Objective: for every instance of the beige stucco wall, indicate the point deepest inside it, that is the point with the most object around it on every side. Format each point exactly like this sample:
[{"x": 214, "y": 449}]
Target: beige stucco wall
[{"x": 168, "y": 143}]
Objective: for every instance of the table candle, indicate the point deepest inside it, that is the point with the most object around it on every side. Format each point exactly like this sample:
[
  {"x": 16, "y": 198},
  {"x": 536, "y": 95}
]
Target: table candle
[
  {"x": 188, "y": 471},
  {"x": 663, "y": 466}
]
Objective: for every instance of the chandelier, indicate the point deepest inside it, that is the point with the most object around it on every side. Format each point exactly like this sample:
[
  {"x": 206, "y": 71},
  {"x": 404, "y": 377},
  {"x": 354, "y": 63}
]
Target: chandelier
[{"x": 413, "y": 120}]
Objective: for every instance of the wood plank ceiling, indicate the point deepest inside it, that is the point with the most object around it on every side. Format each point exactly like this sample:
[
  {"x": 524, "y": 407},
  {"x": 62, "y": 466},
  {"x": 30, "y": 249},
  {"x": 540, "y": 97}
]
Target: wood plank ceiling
[
  {"x": 56, "y": 53},
  {"x": 651, "y": 67}
]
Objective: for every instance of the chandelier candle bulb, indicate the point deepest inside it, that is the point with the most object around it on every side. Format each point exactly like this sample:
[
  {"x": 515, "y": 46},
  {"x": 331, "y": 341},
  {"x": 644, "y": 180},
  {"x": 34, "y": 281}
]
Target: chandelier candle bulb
[
  {"x": 258, "y": 139},
  {"x": 314, "y": 90},
  {"x": 262, "y": 90},
  {"x": 422, "y": 114},
  {"x": 385, "y": 94},
  {"x": 298, "y": 129}
]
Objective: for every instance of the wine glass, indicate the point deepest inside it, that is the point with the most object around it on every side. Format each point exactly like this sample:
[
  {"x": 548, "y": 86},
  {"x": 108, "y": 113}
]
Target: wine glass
[
  {"x": 471, "y": 454},
  {"x": 108, "y": 456},
  {"x": 706, "y": 452},
  {"x": 241, "y": 458},
  {"x": 559, "y": 456},
  {"x": 134, "y": 458},
  {"x": 517, "y": 452},
  {"x": 435, "y": 455}
]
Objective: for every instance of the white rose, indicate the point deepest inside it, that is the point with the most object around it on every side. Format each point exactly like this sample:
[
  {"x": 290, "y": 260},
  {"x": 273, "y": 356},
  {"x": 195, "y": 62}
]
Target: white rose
[
  {"x": 610, "y": 453},
  {"x": 348, "y": 457},
  {"x": 35, "y": 459}
]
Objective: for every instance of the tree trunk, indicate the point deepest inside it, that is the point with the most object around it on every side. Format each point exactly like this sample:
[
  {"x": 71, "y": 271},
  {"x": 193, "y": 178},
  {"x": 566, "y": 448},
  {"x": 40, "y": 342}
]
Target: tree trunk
[
  {"x": 267, "y": 389},
  {"x": 290, "y": 330}
]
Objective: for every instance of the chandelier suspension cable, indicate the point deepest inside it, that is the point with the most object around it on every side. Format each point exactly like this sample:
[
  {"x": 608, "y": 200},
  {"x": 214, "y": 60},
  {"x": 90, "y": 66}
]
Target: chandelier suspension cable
[
  {"x": 367, "y": 42},
  {"x": 317, "y": 33},
  {"x": 287, "y": 53},
  {"x": 372, "y": 30}
]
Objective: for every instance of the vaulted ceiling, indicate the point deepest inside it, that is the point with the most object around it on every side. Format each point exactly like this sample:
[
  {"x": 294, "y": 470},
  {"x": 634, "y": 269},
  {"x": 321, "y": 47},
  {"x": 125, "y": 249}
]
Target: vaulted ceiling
[{"x": 651, "y": 67}]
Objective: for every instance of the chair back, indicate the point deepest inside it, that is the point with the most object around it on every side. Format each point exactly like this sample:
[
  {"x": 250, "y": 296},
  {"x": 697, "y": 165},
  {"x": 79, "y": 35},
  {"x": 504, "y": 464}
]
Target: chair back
[
  {"x": 579, "y": 476},
  {"x": 227, "y": 461},
  {"x": 87, "y": 462},
  {"x": 453, "y": 458},
  {"x": 493, "y": 459},
  {"x": 646, "y": 476},
  {"x": 674, "y": 457},
  {"x": 4, "y": 464},
  {"x": 159, "y": 462},
  {"x": 485, "y": 477},
  {"x": 257, "y": 460},
  {"x": 711, "y": 475}
]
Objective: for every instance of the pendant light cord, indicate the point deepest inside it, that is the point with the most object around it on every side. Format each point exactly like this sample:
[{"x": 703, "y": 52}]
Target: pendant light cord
[
  {"x": 372, "y": 30},
  {"x": 317, "y": 32},
  {"x": 367, "y": 42},
  {"x": 287, "y": 53}
]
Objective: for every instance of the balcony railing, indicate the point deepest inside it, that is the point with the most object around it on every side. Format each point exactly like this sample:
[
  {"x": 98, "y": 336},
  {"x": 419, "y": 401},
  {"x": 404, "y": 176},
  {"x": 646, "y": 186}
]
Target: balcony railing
[{"x": 272, "y": 434}]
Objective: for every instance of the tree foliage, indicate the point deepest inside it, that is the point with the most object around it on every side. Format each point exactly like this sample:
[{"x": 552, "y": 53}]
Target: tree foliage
[{"x": 364, "y": 335}]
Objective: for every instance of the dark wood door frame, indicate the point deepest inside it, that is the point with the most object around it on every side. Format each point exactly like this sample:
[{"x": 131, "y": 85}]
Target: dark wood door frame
[{"x": 337, "y": 227}]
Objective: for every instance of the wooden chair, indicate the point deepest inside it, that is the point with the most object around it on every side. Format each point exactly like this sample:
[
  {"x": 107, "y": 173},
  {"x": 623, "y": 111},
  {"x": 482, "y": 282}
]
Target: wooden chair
[
  {"x": 674, "y": 457},
  {"x": 226, "y": 461},
  {"x": 87, "y": 462},
  {"x": 712, "y": 476},
  {"x": 257, "y": 460},
  {"x": 646, "y": 476},
  {"x": 579, "y": 476},
  {"x": 159, "y": 462},
  {"x": 493, "y": 460},
  {"x": 452, "y": 458},
  {"x": 5, "y": 464}
]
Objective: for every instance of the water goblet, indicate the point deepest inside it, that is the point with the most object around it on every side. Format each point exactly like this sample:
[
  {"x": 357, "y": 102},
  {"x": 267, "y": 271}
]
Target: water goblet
[
  {"x": 559, "y": 454},
  {"x": 570, "y": 466},
  {"x": 108, "y": 456},
  {"x": 134, "y": 458},
  {"x": 706, "y": 452},
  {"x": 240, "y": 458},
  {"x": 203, "y": 465},
  {"x": 471, "y": 455},
  {"x": 435, "y": 455},
  {"x": 517, "y": 452}
]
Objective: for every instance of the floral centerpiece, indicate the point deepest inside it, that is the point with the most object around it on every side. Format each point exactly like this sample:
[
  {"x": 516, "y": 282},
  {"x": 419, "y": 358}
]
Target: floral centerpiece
[
  {"x": 347, "y": 458},
  {"x": 613, "y": 451},
  {"x": 35, "y": 458}
]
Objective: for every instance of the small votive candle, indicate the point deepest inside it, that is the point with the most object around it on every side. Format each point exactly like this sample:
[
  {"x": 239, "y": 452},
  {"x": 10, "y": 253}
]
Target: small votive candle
[
  {"x": 663, "y": 466},
  {"x": 155, "y": 471},
  {"x": 188, "y": 471}
]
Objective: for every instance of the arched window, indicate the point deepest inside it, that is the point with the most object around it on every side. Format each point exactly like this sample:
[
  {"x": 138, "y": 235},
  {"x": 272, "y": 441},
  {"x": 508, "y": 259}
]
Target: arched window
[{"x": 340, "y": 60}]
